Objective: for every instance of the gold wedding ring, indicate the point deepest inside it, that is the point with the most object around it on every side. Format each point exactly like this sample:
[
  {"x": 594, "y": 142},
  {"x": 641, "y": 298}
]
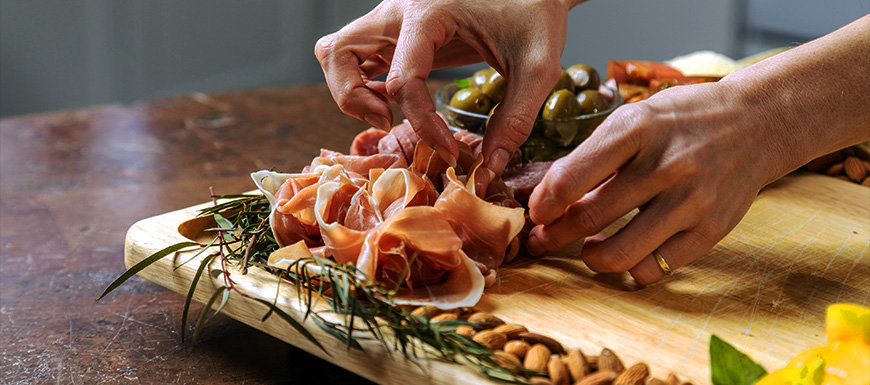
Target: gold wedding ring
[{"x": 662, "y": 263}]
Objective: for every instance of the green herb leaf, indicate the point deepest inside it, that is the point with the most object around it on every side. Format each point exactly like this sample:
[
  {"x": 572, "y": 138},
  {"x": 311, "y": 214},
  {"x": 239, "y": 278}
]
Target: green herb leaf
[
  {"x": 462, "y": 83},
  {"x": 226, "y": 226},
  {"x": 145, "y": 263},
  {"x": 729, "y": 366},
  {"x": 204, "y": 315},
  {"x": 295, "y": 324},
  {"x": 332, "y": 330},
  {"x": 190, "y": 292}
]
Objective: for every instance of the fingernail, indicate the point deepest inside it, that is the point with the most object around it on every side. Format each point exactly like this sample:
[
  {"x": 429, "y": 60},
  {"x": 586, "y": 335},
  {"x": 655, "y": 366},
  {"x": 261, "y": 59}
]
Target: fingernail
[
  {"x": 378, "y": 121},
  {"x": 445, "y": 154},
  {"x": 498, "y": 160},
  {"x": 534, "y": 246}
]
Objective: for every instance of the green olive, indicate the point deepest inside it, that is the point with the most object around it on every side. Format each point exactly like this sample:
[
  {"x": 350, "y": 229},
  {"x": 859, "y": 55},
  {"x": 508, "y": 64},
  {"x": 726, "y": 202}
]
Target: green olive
[
  {"x": 591, "y": 101},
  {"x": 471, "y": 100},
  {"x": 480, "y": 77},
  {"x": 584, "y": 77},
  {"x": 564, "y": 83},
  {"x": 492, "y": 111},
  {"x": 494, "y": 87},
  {"x": 561, "y": 104}
]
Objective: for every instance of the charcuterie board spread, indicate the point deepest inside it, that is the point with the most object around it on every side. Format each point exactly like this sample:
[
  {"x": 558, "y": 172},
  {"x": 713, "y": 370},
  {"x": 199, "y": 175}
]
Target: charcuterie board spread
[{"x": 764, "y": 288}]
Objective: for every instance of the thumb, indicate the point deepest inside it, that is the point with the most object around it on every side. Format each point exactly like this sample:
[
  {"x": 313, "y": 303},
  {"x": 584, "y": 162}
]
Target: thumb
[{"x": 514, "y": 118}]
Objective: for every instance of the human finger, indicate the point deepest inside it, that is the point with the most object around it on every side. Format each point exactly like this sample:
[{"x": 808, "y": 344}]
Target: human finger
[
  {"x": 512, "y": 121},
  {"x": 339, "y": 56},
  {"x": 666, "y": 215},
  {"x": 631, "y": 188},
  {"x": 678, "y": 251},
  {"x": 609, "y": 147},
  {"x": 406, "y": 84}
]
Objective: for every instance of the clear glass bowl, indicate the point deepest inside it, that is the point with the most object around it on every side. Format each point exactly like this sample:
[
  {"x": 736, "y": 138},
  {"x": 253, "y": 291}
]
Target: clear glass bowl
[{"x": 550, "y": 139}]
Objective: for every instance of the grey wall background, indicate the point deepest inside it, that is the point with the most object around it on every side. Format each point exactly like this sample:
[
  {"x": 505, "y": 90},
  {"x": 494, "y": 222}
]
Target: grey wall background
[{"x": 63, "y": 54}]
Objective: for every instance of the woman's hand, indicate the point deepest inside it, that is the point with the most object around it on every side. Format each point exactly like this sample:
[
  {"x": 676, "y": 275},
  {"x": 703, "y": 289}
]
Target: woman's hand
[
  {"x": 681, "y": 157},
  {"x": 692, "y": 158},
  {"x": 521, "y": 39}
]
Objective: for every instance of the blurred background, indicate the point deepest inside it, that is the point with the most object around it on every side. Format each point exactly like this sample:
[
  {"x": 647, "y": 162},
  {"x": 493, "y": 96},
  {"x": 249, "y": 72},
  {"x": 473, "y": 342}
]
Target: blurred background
[{"x": 63, "y": 54}]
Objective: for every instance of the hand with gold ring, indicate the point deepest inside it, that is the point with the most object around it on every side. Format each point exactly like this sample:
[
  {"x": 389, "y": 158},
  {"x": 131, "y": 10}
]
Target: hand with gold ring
[{"x": 692, "y": 158}]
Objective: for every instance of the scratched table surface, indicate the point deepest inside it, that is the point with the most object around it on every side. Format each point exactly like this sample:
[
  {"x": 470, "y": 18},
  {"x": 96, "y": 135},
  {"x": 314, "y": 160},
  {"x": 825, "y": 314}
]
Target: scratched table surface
[{"x": 73, "y": 182}]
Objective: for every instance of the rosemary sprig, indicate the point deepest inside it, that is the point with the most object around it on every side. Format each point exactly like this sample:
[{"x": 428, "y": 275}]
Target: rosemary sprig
[{"x": 365, "y": 308}]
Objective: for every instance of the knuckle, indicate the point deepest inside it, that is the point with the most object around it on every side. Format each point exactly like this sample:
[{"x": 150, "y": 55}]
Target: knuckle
[
  {"x": 703, "y": 236},
  {"x": 644, "y": 276},
  {"x": 563, "y": 180},
  {"x": 344, "y": 101},
  {"x": 616, "y": 259},
  {"x": 586, "y": 218},
  {"x": 325, "y": 46},
  {"x": 682, "y": 168}
]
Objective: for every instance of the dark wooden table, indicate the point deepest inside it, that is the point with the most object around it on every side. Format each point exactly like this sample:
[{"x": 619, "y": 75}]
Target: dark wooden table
[{"x": 72, "y": 182}]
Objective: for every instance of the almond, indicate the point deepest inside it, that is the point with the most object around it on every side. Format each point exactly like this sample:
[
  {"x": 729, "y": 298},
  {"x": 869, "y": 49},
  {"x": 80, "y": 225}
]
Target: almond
[
  {"x": 444, "y": 317},
  {"x": 593, "y": 363},
  {"x": 577, "y": 365},
  {"x": 558, "y": 371},
  {"x": 465, "y": 330},
  {"x": 535, "y": 338},
  {"x": 635, "y": 375},
  {"x": 489, "y": 339},
  {"x": 866, "y": 182},
  {"x": 485, "y": 320},
  {"x": 427, "y": 311},
  {"x": 854, "y": 169},
  {"x": 861, "y": 152},
  {"x": 821, "y": 163},
  {"x": 672, "y": 379},
  {"x": 598, "y": 378},
  {"x": 609, "y": 361},
  {"x": 537, "y": 358},
  {"x": 507, "y": 361},
  {"x": 511, "y": 330},
  {"x": 655, "y": 381},
  {"x": 835, "y": 169},
  {"x": 538, "y": 380},
  {"x": 517, "y": 348}
]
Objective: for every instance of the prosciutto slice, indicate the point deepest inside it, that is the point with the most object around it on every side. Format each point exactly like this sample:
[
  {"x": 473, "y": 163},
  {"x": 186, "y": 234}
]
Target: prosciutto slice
[{"x": 400, "y": 214}]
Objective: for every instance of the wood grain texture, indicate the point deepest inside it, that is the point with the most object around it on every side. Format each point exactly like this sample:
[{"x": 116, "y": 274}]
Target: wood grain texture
[{"x": 764, "y": 288}]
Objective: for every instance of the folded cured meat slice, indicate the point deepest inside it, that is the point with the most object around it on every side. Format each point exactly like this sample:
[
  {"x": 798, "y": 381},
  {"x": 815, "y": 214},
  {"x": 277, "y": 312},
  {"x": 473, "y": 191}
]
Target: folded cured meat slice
[
  {"x": 285, "y": 229},
  {"x": 366, "y": 142},
  {"x": 486, "y": 229},
  {"x": 359, "y": 164},
  {"x": 417, "y": 247},
  {"x": 401, "y": 140},
  {"x": 397, "y": 188},
  {"x": 334, "y": 204}
]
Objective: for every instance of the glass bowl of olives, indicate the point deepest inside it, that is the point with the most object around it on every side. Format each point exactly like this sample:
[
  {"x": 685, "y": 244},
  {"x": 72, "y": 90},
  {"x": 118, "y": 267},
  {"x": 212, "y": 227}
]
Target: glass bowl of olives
[{"x": 578, "y": 103}]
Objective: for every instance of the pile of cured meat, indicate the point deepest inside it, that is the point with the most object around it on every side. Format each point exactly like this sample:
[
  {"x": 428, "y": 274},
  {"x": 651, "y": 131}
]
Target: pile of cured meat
[{"x": 402, "y": 215}]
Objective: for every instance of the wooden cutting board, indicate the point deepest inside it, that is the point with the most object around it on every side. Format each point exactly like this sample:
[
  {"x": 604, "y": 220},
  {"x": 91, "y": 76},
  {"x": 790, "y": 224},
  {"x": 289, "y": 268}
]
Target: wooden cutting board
[{"x": 803, "y": 245}]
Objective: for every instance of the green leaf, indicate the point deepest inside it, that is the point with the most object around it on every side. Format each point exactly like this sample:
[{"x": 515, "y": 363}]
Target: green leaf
[
  {"x": 729, "y": 366},
  {"x": 145, "y": 263},
  {"x": 295, "y": 324},
  {"x": 204, "y": 315},
  {"x": 204, "y": 248},
  {"x": 190, "y": 292},
  {"x": 223, "y": 301},
  {"x": 226, "y": 225},
  {"x": 462, "y": 83},
  {"x": 342, "y": 336}
]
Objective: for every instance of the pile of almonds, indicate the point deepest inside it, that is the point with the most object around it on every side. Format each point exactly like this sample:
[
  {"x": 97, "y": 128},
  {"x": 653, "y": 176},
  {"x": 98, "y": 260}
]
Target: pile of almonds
[
  {"x": 849, "y": 164},
  {"x": 516, "y": 348}
]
